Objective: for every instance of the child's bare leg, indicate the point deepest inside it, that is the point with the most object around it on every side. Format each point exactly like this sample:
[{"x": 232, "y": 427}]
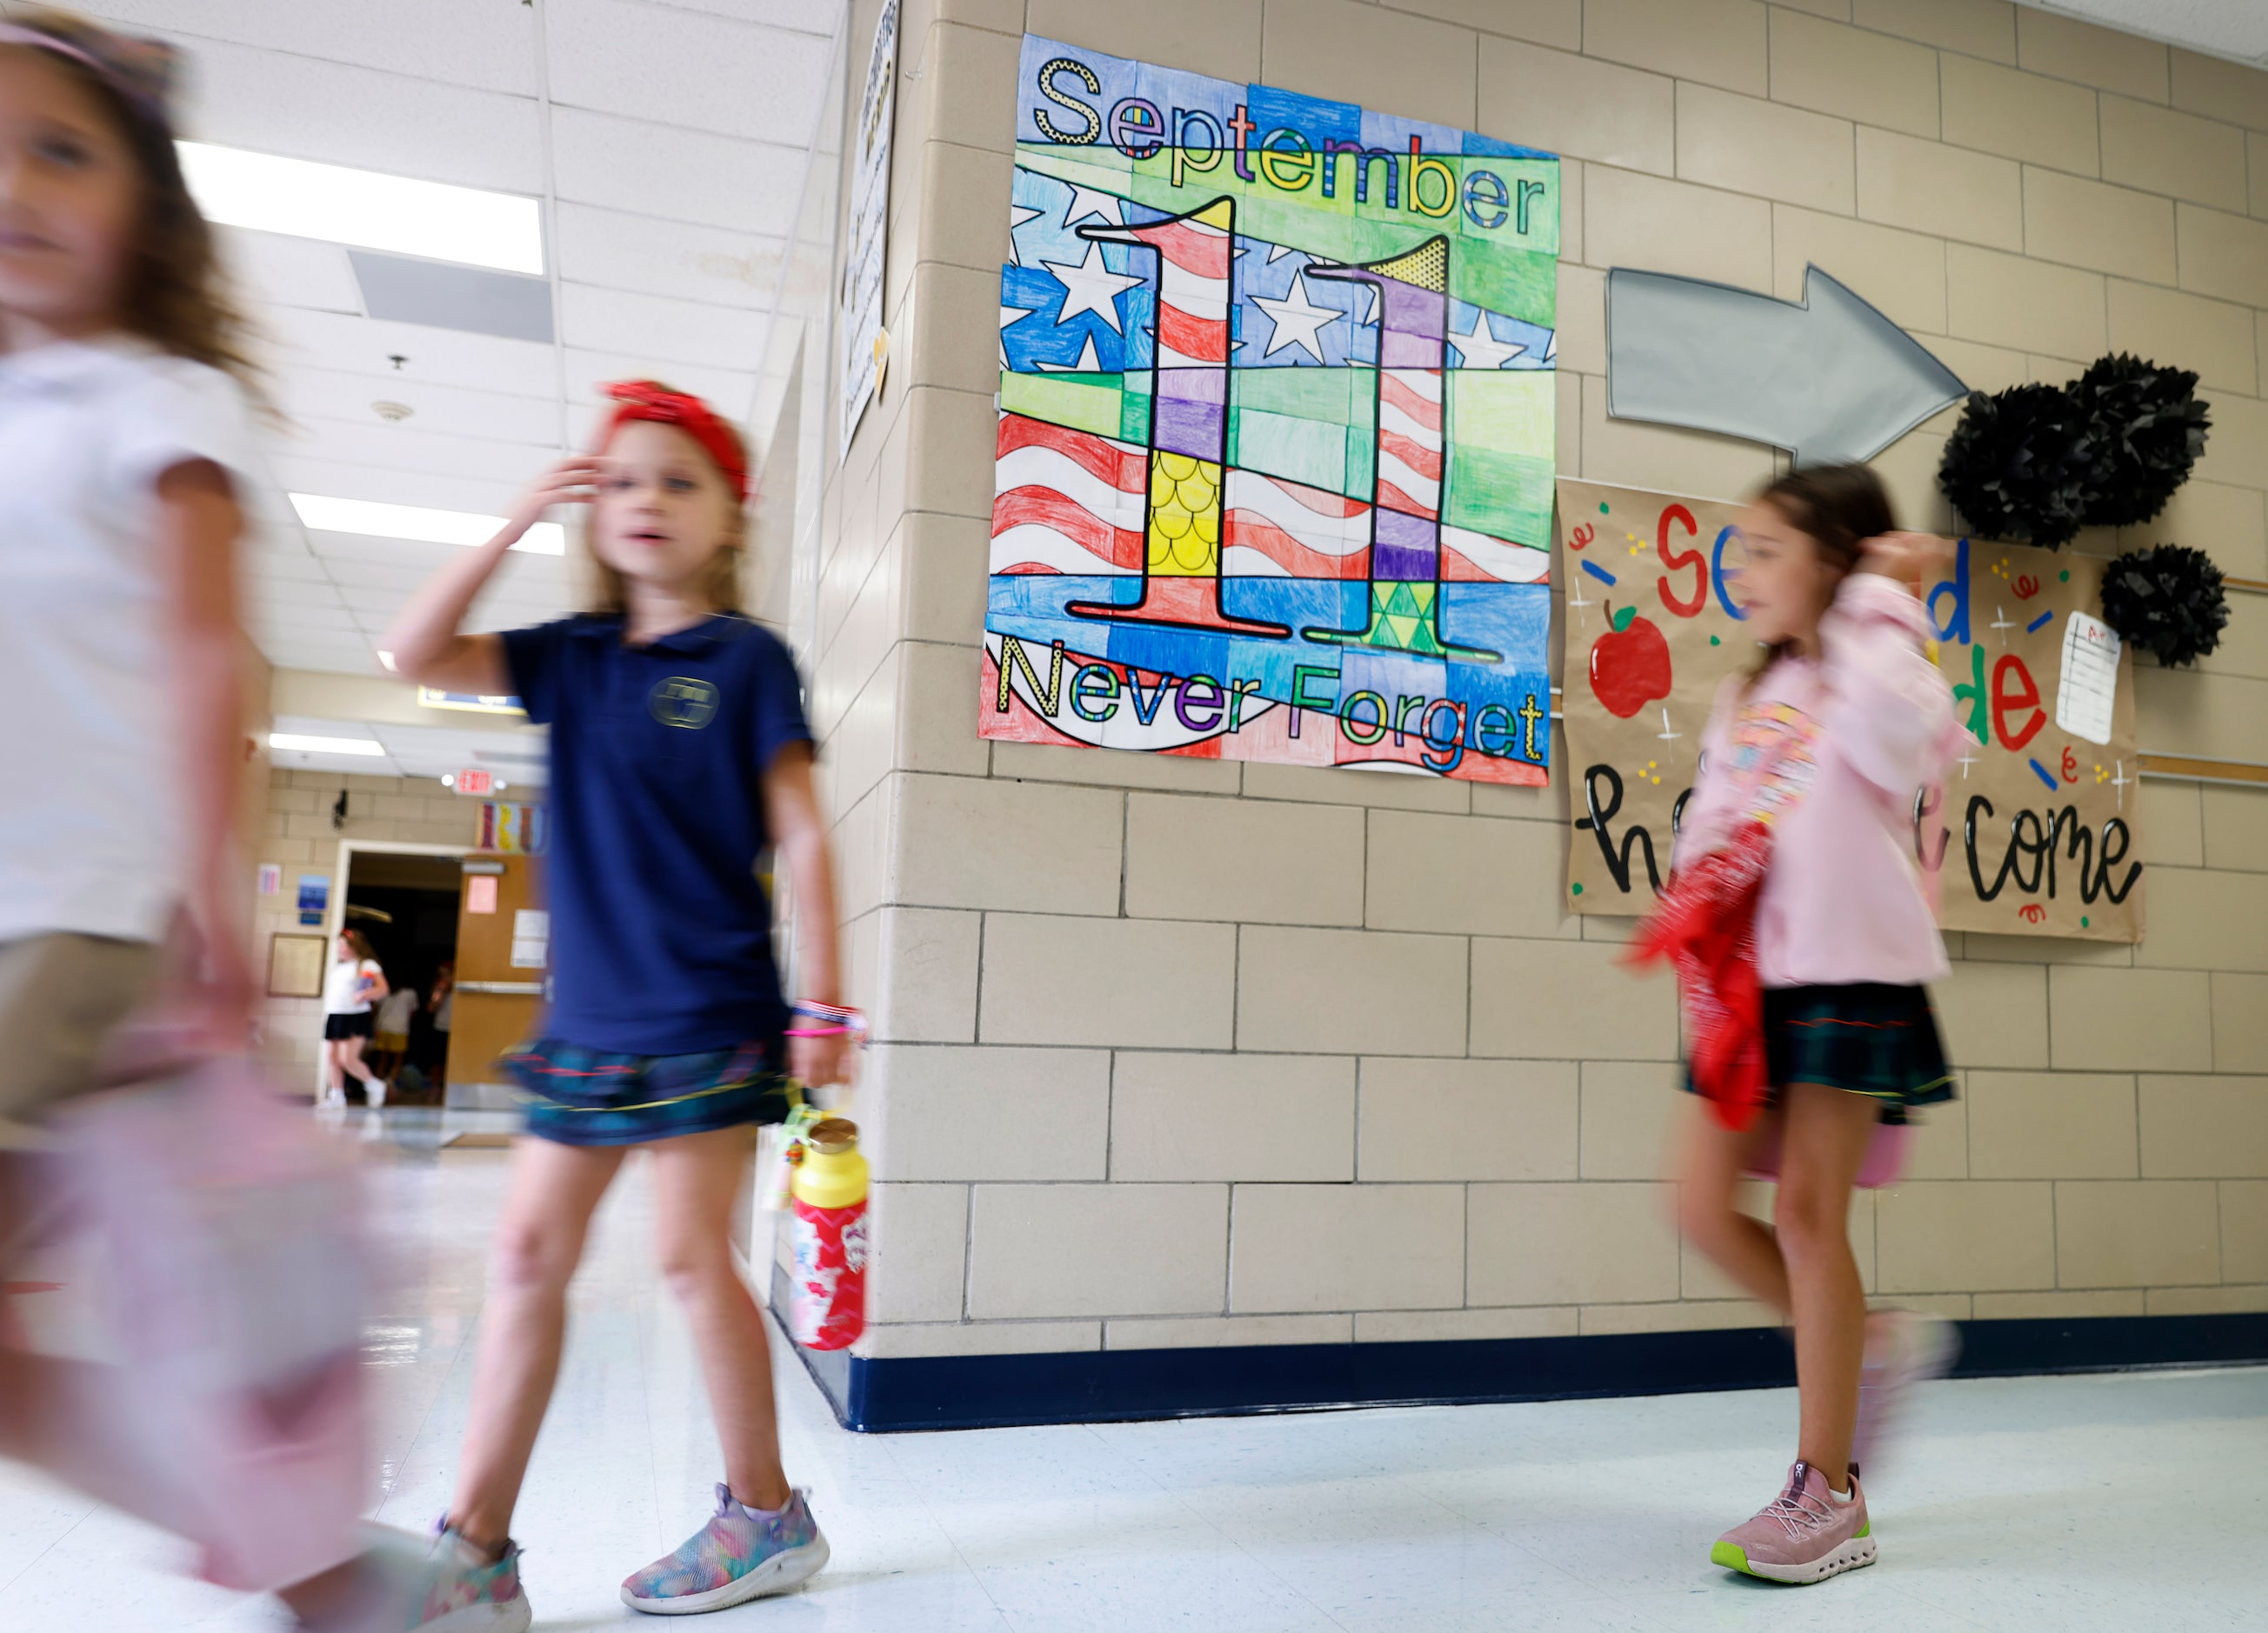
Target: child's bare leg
[
  {"x": 1827, "y": 1135},
  {"x": 351, "y": 1059},
  {"x": 1710, "y": 1162},
  {"x": 697, "y": 1178},
  {"x": 547, "y": 1214}
]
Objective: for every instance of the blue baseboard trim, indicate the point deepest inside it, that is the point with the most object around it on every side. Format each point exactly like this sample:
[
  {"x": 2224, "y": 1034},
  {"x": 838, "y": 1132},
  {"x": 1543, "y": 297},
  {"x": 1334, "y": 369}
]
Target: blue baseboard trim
[{"x": 1104, "y": 1385}]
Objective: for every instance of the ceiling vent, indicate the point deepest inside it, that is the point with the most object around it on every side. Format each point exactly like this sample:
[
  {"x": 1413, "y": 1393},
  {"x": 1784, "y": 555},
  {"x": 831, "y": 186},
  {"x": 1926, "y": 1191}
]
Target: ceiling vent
[{"x": 443, "y": 296}]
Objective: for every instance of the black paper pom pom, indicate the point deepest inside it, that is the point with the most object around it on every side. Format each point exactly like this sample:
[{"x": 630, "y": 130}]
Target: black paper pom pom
[
  {"x": 2165, "y": 600},
  {"x": 2146, "y": 428},
  {"x": 2017, "y": 465}
]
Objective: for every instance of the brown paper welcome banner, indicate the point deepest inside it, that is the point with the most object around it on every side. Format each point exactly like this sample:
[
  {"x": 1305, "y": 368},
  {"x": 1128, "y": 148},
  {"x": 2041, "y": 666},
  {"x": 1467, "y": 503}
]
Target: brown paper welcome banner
[{"x": 2032, "y": 834}]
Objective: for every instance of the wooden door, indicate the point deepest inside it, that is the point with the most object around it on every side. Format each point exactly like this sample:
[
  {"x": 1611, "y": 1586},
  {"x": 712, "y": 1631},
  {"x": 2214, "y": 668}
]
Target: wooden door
[{"x": 500, "y": 967}]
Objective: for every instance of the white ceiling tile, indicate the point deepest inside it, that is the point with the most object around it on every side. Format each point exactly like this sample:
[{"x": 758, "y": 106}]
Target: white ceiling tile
[
  {"x": 491, "y": 46},
  {"x": 685, "y": 68},
  {"x": 810, "y": 17},
  {"x": 293, "y": 566},
  {"x": 272, "y": 269},
  {"x": 304, "y": 107},
  {"x": 671, "y": 258},
  {"x": 687, "y": 175},
  {"x": 309, "y": 393},
  {"x": 352, "y": 572},
  {"x": 729, "y": 391},
  {"x": 441, "y": 356},
  {"x": 398, "y": 447},
  {"x": 680, "y": 331},
  {"x": 423, "y": 488}
]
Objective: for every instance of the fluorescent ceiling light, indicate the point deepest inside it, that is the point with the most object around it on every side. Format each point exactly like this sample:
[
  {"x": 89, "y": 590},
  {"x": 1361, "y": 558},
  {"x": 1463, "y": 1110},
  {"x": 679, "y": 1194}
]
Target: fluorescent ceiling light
[
  {"x": 324, "y": 744},
  {"x": 365, "y": 208},
  {"x": 418, "y": 523}
]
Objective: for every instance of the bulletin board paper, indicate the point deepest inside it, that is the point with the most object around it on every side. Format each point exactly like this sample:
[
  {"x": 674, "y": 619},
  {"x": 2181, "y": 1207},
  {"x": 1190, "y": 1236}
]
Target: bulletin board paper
[
  {"x": 2032, "y": 831},
  {"x": 1275, "y": 439},
  {"x": 1638, "y": 696}
]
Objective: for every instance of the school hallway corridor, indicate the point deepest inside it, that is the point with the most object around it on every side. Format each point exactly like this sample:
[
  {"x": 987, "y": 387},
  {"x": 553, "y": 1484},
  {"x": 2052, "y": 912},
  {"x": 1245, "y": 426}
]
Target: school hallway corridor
[{"x": 2112, "y": 1501}]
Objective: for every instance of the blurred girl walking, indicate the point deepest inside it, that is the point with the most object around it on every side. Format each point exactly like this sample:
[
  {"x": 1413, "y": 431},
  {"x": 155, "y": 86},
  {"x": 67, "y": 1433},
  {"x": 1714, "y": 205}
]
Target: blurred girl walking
[
  {"x": 124, "y": 452},
  {"x": 353, "y": 988},
  {"x": 679, "y": 752},
  {"x": 1802, "y": 937}
]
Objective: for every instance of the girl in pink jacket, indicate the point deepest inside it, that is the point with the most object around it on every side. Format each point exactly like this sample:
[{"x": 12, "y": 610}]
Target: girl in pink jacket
[{"x": 1826, "y": 742}]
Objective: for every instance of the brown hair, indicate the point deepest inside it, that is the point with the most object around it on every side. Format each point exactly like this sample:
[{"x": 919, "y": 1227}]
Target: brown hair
[
  {"x": 174, "y": 293},
  {"x": 720, "y": 586},
  {"x": 360, "y": 943},
  {"x": 1838, "y": 508}
]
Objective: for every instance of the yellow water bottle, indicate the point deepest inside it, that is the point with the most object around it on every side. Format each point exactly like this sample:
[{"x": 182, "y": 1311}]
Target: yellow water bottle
[{"x": 828, "y": 1309}]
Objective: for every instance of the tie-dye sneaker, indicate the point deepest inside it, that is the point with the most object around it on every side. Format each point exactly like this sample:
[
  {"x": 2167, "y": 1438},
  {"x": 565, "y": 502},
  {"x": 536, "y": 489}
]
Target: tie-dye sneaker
[
  {"x": 742, "y": 1554},
  {"x": 1803, "y": 1536},
  {"x": 461, "y": 1590}
]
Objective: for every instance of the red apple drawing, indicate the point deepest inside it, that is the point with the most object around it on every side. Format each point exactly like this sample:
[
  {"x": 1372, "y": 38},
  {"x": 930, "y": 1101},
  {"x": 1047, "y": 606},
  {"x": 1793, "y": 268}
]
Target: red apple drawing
[{"x": 1629, "y": 665}]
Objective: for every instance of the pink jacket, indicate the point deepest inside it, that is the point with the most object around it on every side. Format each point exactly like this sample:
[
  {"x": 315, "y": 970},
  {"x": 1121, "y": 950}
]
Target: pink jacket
[{"x": 1858, "y": 732}]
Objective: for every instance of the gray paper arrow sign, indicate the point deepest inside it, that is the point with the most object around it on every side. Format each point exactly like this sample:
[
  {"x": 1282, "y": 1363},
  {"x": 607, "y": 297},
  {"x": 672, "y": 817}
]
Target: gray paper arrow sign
[{"x": 1830, "y": 379}]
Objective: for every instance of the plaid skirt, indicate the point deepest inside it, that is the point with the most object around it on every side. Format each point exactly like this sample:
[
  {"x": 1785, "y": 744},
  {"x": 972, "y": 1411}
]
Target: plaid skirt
[
  {"x": 578, "y": 1096},
  {"x": 1870, "y": 1038}
]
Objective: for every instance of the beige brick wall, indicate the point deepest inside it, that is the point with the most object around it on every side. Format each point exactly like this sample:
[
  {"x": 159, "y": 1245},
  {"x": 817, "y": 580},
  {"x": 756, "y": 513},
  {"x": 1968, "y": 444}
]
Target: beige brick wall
[
  {"x": 1196, "y": 1054},
  {"x": 294, "y": 833}
]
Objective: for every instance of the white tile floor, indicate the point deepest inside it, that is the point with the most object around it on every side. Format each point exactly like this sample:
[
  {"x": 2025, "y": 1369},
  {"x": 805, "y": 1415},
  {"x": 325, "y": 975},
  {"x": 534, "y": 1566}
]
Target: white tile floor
[{"x": 2116, "y": 1503}]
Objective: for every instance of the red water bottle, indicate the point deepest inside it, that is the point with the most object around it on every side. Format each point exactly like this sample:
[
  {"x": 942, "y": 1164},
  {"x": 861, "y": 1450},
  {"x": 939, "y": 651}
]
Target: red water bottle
[{"x": 827, "y": 1309}]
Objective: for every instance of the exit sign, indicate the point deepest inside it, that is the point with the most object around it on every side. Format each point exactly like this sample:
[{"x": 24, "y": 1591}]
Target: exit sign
[{"x": 475, "y": 782}]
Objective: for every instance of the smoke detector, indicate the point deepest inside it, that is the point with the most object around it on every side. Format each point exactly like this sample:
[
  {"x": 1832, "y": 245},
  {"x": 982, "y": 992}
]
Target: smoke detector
[{"x": 392, "y": 412}]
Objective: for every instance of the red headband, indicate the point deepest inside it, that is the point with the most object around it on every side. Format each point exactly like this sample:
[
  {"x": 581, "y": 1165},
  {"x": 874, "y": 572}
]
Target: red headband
[{"x": 650, "y": 400}]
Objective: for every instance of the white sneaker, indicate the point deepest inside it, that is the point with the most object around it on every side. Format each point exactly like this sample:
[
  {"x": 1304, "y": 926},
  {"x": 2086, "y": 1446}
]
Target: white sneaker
[{"x": 376, "y": 1091}]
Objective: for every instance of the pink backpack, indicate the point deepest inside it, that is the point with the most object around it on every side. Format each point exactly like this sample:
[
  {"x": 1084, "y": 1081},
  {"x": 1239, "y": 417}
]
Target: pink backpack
[{"x": 237, "y": 1279}]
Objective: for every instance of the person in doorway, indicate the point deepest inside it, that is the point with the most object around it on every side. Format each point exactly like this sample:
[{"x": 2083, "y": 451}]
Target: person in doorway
[
  {"x": 351, "y": 990},
  {"x": 432, "y": 1036},
  {"x": 1809, "y": 769},
  {"x": 126, "y": 448},
  {"x": 390, "y": 1034},
  {"x": 679, "y": 753}
]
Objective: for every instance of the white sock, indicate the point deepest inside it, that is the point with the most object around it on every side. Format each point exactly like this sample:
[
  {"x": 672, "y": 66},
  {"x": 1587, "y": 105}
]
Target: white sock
[{"x": 1845, "y": 1497}]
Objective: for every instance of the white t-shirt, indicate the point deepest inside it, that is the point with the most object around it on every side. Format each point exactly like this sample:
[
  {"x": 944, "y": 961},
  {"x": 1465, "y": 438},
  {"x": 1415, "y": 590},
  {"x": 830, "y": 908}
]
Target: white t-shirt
[
  {"x": 342, "y": 994},
  {"x": 90, "y": 838},
  {"x": 394, "y": 1014}
]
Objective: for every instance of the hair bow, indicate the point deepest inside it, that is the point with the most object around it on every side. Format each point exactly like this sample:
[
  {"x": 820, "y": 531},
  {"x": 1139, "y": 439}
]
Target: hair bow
[{"x": 650, "y": 400}]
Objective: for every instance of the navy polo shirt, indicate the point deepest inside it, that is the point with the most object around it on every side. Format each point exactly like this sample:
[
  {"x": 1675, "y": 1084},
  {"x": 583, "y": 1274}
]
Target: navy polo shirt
[{"x": 661, "y": 933}]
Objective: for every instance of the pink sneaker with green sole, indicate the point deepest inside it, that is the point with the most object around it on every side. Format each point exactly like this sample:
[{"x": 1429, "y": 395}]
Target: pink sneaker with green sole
[{"x": 1803, "y": 1536}]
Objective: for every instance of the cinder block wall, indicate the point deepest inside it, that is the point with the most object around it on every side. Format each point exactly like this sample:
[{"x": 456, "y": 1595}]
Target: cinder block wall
[{"x": 1184, "y": 1054}]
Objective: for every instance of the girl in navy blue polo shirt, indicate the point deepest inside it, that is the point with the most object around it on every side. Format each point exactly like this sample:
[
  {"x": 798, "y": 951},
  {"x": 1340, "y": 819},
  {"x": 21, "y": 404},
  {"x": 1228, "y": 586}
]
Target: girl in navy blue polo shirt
[{"x": 679, "y": 751}]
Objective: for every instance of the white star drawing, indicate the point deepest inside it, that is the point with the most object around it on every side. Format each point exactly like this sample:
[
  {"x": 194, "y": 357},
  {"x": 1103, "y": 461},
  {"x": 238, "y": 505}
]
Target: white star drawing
[
  {"x": 1008, "y": 315},
  {"x": 1297, "y": 319},
  {"x": 1090, "y": 286},
  {"x": 1018, "y": 215},
  {"x": 1086, "y": 202},
  {"x": 1480, "y": 349},
  {"x": 1087, "y": 363},
  {"x": 1277, "y": 251}
]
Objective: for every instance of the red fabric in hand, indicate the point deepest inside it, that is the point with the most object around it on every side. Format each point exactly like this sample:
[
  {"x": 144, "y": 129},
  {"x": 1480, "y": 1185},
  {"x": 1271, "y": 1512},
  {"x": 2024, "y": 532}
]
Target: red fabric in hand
[{"x": 1703, "y": 925}]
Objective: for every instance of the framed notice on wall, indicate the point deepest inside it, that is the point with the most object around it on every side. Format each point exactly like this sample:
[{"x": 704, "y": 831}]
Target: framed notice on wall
[
  {"x": 861, "y": 324},
  {"x": 295, "y": 965}
]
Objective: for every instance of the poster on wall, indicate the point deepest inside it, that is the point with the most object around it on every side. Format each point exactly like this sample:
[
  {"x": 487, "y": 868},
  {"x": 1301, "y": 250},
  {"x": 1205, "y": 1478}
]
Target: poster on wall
[
  {"x": 512, "y": 828},
  {"x": 860, "y": 321},
  {"x": 1275, "y": 446},
  {"x": 2033, "y": 830}
]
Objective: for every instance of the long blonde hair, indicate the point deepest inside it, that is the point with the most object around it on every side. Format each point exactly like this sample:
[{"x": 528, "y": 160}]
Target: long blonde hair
[{"x": 720, "y": 586}]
